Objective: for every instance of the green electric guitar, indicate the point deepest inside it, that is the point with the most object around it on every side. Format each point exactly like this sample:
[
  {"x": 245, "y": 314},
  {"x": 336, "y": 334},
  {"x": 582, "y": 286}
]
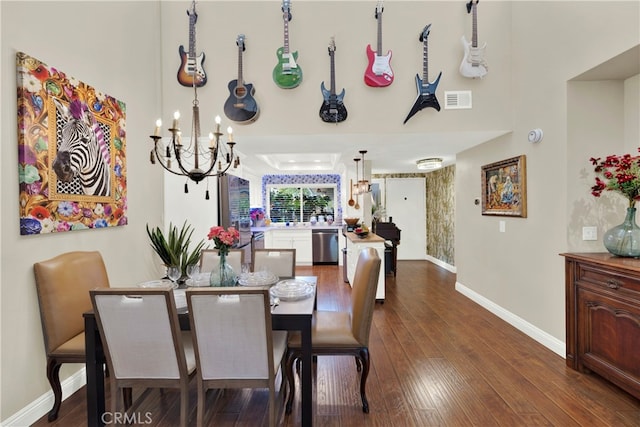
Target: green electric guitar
[{"x": 287, "y": 74}]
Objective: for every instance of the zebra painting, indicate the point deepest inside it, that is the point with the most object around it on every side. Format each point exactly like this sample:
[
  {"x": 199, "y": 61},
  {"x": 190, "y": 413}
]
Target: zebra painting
[{"x": 82, "y": 151}]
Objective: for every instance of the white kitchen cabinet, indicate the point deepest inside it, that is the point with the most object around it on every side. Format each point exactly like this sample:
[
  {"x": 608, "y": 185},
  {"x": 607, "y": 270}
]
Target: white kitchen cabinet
[
  {"x": 289, "y": 238},
  {"x": 354, "y": 246}
]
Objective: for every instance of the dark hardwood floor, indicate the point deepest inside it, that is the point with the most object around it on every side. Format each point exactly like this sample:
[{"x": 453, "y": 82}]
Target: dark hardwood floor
[{"x": 438, "y": 359}]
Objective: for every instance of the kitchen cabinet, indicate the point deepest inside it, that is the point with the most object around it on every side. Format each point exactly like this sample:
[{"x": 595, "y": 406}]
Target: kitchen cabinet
[
  {"x": 291, "y": 238},
  {"x": 603, "y": 317},
  {"x": 354, "y": 245}
]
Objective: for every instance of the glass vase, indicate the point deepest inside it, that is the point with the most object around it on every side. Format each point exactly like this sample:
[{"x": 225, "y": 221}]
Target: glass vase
[
  {"x": 624, "y": 239},
  {"x": 224, "y": 274}
]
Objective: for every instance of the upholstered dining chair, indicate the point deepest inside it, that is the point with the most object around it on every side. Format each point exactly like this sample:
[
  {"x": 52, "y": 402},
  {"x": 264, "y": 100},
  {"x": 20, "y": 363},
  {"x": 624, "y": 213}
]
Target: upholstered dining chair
[
  {"x": 344, "y": 332},
  {"x": 62, "y": 285},
  {"x": 210, "y": 260},
  {"x": 143, "y": 343},
  {"x": 234, "y": 344},
  {"x": 281, "y": 262}
]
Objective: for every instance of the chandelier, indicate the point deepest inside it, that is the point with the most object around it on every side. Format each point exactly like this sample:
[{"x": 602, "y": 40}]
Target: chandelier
[
  {"x": 429, "y": 164},
  {"x": 199, "y": 159}
]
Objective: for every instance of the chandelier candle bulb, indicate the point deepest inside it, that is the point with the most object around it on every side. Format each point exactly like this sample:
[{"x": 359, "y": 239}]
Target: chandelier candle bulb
[
  {"x": 230, "y": 132},
  {"x": 156, "y": 132},
  {"x": 218, "y": 120},
  {"x": 176, "y": 117},
  {"x": 212, "y": 142}
]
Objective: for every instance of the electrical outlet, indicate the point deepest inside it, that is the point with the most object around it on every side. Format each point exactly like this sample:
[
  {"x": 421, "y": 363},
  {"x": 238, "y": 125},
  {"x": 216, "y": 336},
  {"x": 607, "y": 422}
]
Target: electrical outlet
[{"x": 589, "y": 233}]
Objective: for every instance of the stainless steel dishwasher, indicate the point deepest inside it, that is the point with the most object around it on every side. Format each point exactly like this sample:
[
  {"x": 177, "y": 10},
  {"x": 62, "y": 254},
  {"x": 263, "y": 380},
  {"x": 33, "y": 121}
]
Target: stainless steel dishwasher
[{"x": 325, "y": 246}]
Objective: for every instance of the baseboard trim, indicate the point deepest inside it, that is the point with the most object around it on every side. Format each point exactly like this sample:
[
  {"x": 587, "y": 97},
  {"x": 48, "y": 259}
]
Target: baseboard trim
[
  {"x": 43, "y": 404},
  {"x": 549, "y": 341},
  {"x": 440, "y": 263}
]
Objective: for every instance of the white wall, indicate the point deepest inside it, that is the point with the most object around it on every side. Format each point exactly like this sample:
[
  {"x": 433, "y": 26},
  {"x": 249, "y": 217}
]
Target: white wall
[{"x": 109, "y": 46}]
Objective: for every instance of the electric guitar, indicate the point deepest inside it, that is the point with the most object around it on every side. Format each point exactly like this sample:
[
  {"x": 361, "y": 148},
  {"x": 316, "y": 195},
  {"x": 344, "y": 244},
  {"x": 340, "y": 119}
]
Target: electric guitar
[
  {"x": 332, "y": 109},
  {"x": 240, "y": 106},
  {"x": 378, "y": 72},
  {"x": 287, "y": 74},
  {"x": 426, "y": 91},
  {"x": 473, "y": 64},
  {"x": 191, "y": 71}
]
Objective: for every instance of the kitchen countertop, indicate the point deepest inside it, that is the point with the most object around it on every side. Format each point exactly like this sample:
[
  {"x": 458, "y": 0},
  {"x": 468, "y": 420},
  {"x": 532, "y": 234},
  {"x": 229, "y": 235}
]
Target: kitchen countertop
[{"x": 371, "y": 238}]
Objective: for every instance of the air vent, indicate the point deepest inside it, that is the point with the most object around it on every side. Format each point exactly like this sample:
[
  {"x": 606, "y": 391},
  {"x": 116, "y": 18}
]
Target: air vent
[{"x": 457, "y": 99}]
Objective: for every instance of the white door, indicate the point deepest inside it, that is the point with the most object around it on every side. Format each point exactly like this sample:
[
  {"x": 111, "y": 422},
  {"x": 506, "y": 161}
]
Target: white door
[{"x": 406, "y": 205}]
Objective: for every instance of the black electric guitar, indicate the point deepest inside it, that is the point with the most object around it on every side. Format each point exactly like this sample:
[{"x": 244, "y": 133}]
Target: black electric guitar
[
  {"x": 240, "y": 106},
  {"x": 191, "y": 71},
  {"x": 426, "y": 91},
  {"x": 332, "y": 109}
]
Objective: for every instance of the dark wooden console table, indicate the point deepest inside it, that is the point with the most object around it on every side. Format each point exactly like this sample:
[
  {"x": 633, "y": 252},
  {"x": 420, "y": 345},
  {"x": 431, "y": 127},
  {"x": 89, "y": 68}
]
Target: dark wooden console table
[{"x": 603, "y": 317}]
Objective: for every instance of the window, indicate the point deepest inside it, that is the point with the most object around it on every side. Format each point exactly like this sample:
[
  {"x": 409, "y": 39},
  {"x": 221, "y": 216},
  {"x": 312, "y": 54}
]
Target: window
[{"x": 298, "y": 203}]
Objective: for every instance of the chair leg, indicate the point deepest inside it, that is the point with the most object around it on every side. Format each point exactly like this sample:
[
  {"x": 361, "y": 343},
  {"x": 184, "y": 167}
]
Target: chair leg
[
  {"x": 127, "y": 397},
  {"x": 53, "y": 375},
  {"x": 200, "y": 410},
  {"x": 184, "y": 405},
  {"x": 291, "y": 357},
  {"x": 364, "y": 359}
]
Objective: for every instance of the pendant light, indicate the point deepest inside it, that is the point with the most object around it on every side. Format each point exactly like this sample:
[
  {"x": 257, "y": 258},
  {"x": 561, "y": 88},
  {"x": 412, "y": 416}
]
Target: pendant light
[
  {"x": 363, "y": 185},
  {"x": 356, "y": 186}
]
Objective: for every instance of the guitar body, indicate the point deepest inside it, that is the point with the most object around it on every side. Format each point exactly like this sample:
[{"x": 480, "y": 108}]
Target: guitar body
[
  {"x": 240, "y": 106},
  {"x": 426, "y": 97},
  {"x": 332, "y": 109},
  {"x": 191, "y": 69},
  {"x": 378, "y": 72},
  {"x": 287, "y": 74},
  {"x": 473, "y": 64}
]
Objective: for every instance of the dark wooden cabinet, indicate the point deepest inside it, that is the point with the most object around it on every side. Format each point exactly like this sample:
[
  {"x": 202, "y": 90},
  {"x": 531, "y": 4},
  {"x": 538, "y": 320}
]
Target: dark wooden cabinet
[{"x": 603, "y": 317}]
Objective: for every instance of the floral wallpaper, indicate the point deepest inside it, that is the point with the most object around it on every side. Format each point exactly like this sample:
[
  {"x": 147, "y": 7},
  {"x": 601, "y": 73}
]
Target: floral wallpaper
[
  {"x": 303, "y": 179},
  {"x": 440, "y": 201}
]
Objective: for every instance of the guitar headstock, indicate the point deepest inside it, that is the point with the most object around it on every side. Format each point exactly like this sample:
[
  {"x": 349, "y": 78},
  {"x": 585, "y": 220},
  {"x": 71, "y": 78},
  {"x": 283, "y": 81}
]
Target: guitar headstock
[
  {"x": 379, "y": 9},
  {"x": 471, "y": 4},
  {"x": 193, "y": 16},
  {"x": 240, "y": 42},
  {"x": 286, "y": 10},
  {"x": 332, "y": 46},
  {"x": 425, "y": 32}
]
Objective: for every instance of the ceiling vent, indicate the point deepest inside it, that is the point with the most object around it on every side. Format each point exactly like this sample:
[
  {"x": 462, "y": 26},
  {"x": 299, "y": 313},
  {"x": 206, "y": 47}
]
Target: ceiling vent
[{"x": 457, "y": 99}]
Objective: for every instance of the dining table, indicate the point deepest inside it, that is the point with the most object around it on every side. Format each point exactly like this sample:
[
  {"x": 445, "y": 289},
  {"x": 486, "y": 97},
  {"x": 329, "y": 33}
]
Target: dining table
[{"x": 289, "y": 315}]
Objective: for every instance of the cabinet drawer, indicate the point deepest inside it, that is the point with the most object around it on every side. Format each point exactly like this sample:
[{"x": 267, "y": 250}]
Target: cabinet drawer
[{"x": 608, "y": 279}]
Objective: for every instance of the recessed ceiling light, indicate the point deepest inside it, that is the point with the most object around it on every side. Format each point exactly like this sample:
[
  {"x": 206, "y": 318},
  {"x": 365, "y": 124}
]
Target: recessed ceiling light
[{"x": 429, "y": 164}]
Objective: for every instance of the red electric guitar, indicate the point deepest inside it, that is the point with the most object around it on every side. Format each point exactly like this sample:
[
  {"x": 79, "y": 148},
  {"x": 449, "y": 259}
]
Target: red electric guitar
[
  {"x": 191, "y": 70},
  {"x": 378, "y": 72}
]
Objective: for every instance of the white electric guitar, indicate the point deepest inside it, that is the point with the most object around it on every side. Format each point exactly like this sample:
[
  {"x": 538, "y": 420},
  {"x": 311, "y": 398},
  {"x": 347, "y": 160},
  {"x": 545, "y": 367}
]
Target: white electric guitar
[{"x": 473, "y": 64}]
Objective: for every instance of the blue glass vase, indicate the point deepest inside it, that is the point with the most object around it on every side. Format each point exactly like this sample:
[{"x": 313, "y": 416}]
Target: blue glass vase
[
  {"x": 224, "y": 274},
  {"x": 624, "y": 240}
]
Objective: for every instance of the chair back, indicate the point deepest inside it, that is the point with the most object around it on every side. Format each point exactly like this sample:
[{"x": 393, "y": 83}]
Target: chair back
[
  {"x": 363, "y": 294},
  {"x": 231, "y": 329},
  {"x": 63, "y": 285},
  {"x": 281, "y": 262},
  {"x": 140, "y": 333},
  {"x": 210, "y": 260}
]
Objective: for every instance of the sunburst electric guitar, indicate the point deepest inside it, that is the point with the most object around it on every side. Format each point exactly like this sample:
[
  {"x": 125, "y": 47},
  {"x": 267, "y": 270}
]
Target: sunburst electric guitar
[
  {"x": 241, "y": 107},
  {"x": 378, "y": 72},
  {"x": 332, "y": 109},
  {"x": 426, "y": 91},
  {"x": 191, "y": 70},
  {"x": 287, "y": 74},
  {"x": 473, "y": 64}
]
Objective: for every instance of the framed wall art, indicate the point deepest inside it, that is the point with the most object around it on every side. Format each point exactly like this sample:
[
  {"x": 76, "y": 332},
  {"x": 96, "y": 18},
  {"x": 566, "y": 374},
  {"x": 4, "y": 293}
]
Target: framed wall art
[
  {"x": 504, "y": 188},
  {"x": 71, "y": 152}
]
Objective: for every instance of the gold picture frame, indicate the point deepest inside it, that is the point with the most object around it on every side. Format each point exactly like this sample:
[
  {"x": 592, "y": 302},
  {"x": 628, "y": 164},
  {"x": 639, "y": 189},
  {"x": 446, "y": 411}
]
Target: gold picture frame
[{"x": 504, "y": 188}]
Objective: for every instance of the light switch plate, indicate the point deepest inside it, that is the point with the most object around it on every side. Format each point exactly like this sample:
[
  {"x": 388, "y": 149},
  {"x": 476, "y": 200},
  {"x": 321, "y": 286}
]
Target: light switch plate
[
  {"x": 502, "y": 226},
  {"x": 589, "y": 233}
]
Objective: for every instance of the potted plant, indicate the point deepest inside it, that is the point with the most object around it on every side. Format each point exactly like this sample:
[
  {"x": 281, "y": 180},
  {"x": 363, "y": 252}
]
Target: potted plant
[{"x": 174, "y": 248}]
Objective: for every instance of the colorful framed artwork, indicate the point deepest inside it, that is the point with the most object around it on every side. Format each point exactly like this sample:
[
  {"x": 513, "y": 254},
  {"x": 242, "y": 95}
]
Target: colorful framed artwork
[
  {"x": 71, "y": 152},
  {"x": 504, "y": 188}
]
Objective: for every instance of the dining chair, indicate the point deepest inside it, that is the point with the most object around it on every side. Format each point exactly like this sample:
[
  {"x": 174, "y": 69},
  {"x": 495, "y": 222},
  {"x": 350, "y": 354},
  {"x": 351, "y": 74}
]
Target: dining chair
[
  {"x": 62, "y": 285},
  {"x": 234, "y": 344},
  {"x": 143, "y": 343},
  {"x": 281, "y": 262},
  {"x": 337, "y": 333},
  {"x": 210, "y": 260}
]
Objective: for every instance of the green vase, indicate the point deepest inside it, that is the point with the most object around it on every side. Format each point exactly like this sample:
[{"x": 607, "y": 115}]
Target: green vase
[
  {"x": 624, "y": 239},
  {"x": 224, "y": 274}
]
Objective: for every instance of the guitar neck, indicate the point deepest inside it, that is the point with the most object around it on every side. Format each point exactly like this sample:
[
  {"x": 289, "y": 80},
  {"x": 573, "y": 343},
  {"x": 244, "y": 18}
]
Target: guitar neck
[
  {"x": 192, "y": 36},
  {"x": 333, "y": 76},
  {"x": 286, "y": 32},
  {"x": 379, "y": 51},
  {"x": 240, "y": 79},
  {"x": 474, "y": 35},
  {"x": 425, "y": 63}
]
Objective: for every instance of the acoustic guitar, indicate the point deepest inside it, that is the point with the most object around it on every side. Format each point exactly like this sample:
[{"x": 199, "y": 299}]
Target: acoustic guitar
[
  {"x": 332, "y": 109},
  {"x": 426, "y": 91},
  {"x": 473, "y": 64},
  {"x": 241, "y": 107},
  {"x": 287, "y": 74},
  {"x": 191, "y": 70},
  {"x": 378, "y": 72}
]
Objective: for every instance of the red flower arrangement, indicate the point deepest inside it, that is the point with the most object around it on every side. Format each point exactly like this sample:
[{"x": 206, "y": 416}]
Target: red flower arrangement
[
  {"x": 621, "y": 174},
  {"x": 223, "y": 239}
]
